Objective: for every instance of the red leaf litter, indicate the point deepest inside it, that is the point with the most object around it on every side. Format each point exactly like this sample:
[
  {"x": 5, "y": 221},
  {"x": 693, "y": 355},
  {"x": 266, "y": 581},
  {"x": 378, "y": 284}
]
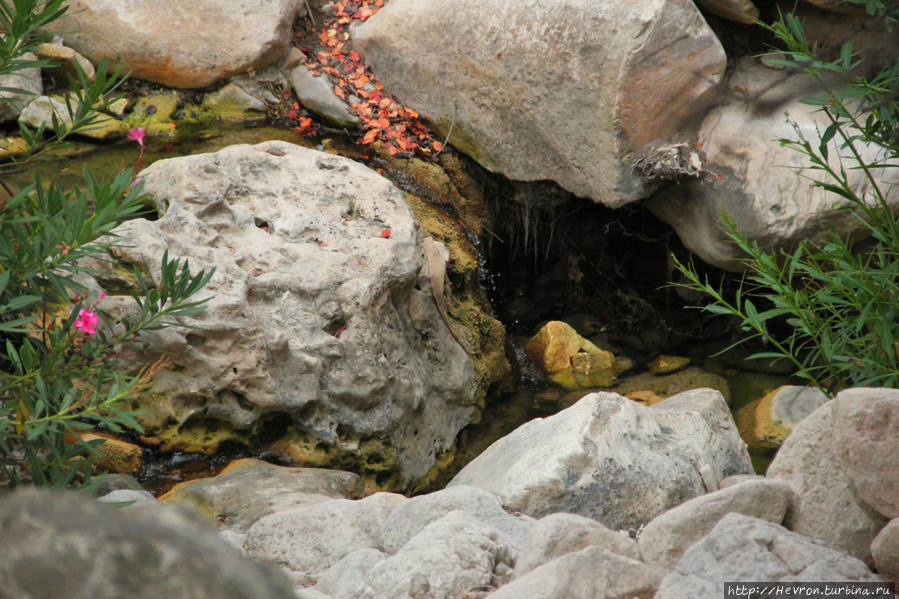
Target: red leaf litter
[{"x": 383, "y": 118}]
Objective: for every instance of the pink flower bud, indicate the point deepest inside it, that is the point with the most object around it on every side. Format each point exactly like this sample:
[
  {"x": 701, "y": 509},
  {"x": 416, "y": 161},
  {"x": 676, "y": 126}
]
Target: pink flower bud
[{"x": 138, "y": 135}]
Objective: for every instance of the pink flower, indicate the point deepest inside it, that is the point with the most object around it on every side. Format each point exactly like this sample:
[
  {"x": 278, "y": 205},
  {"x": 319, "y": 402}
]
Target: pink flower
[
  {"x": 86, "y": 322},
  {"x": 138, "y": 135}
]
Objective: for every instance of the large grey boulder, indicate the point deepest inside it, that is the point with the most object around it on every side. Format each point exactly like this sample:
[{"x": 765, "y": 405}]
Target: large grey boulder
[
  {"x": 180, "y": 44},
  {"x": 885, "y": 550},
  {"x": 565, "y": 90},
  {"x": 665, "y": 539},
  {"x": 308, "y": 540},
  {"x": 63, "y": 544},
  {"x": 762, "y": 188},
  {"x": 866, "y": 441},
  {"x": 745, "y": 549},
  {"x": 591, "y": 573},
  {"x": 559, "y": 534},
  {"x": 450, "y": 556},
  {"x": 611, "y": 459},
  {"x": 346, "y": 578},
  {"x": 409, "y": 518},
  {"x": 321, "y": 329},
  {"x": 825, "y": 506},
  {"x": 250, "y": 489}
]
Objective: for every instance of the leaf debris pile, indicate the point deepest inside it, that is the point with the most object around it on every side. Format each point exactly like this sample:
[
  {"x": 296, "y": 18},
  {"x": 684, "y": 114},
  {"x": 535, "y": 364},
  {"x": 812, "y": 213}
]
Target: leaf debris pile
[{"x": 383, "y": 118}]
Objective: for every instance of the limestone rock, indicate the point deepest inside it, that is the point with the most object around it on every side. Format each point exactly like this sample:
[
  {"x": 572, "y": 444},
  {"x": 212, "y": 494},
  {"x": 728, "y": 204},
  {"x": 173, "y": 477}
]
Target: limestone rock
[
  {"x": 27, "y": 80},
  {"x": 41, "y": 109},
  {"x": 409, "y": 518},
  {"x": 760, "y": 189},
  {"x": 65, "y": 61},
  {"x": 866, "y": 442},
  {"x": 63, "y": 544},
  {"x": 736, "y": 479},
  {"x": 346, "y": 578},
  {"x": 564, "y": 90},
  {"x": 744, "y": 549},
  {"x": 232, "y": 102},
  {"x": 315, "y": 94},
  {"x": 591, "y": 573},
  {"x": 885, "y": 550},
  {"x": 127, "y": 496},
  {"x": 665, "y": 539},
  {"x": 613, "y": 460},
  {"x": 449, "y": 556},
  {"x": 320, "y": 330},
  {"x": 559, "y": 534},
  {"x": 180, "y": 44},
  {"x": 570, "y": 360},
  {"x": 250, "y": 489},
  {"x": 768, "y": 421},
  {"x": 311, "y": 539},
  {"x": 825, "y": 507}
]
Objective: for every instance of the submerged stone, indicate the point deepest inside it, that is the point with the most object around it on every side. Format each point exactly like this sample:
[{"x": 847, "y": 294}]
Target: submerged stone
[{"x": 570, "y": 360}]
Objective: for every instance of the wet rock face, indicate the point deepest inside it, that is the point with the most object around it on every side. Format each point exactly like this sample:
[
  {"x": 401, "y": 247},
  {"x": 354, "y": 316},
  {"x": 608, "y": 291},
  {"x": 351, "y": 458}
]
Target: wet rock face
[
  {"x": 320, "y": 316},
  {"x": 563, "y": 90},
  {"x": 180, "y": 44}
]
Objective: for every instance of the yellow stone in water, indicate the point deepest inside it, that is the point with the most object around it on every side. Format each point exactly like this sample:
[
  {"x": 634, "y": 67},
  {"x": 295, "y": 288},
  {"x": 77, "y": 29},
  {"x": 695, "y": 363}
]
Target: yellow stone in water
[
  {"x": 116, "y": 455},
  {"x": 553, "y": 346},
  {"x": 570, "y": 360},
  {"x": 664, "y": 364},
  {"x": 767, "y": 422}
]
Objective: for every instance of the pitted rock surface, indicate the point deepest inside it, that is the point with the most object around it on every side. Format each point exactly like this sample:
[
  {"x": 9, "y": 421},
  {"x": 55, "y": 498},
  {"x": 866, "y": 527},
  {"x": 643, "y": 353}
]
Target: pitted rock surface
[{"x": 320, "y": 324}]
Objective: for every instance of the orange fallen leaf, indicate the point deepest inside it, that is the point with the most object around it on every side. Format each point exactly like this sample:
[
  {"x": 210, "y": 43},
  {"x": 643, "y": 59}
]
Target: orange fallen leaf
[
  {"x": 371, "y": 135},
  {"x": 437, "y": 145},
  {"x": 385, "y": 233}
]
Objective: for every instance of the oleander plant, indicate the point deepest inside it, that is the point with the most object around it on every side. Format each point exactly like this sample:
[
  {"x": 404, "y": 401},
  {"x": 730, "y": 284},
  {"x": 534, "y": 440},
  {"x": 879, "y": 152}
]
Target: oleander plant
[{"x": 59, "y": 373}]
